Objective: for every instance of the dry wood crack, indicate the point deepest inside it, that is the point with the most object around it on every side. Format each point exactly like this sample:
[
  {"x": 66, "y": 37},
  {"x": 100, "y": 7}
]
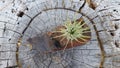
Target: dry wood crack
[
  {"x": 97, "y": 34},
  {"x": 17, "y": 53},
  {"x": 99, "y": 43}
]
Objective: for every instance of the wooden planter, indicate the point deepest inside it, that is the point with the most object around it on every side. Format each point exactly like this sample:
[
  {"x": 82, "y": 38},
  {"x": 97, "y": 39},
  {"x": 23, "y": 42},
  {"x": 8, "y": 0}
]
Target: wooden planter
[{"x": 56, "y": 43}]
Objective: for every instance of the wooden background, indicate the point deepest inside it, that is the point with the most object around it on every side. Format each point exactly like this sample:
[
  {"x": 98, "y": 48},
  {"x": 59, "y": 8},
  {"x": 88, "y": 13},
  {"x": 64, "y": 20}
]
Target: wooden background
[{"x": 41, "y": 16}]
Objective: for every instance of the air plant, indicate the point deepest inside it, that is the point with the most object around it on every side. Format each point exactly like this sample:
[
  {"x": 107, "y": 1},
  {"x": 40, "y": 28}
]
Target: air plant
[{"x": 72, "y": 33}]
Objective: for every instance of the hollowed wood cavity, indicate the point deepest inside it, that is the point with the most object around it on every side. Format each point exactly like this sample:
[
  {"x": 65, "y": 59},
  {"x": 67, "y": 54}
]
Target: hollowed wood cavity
[{"x": 61, "y": 45}]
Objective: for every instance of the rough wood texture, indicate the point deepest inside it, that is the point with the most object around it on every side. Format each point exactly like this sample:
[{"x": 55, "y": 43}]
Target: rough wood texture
[{"x": 40, "y": 16}]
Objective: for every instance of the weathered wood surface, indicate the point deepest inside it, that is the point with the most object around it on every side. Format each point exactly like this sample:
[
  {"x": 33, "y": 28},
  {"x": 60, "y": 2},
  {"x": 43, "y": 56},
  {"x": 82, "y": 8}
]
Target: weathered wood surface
[{"x": 41, "y": 16}]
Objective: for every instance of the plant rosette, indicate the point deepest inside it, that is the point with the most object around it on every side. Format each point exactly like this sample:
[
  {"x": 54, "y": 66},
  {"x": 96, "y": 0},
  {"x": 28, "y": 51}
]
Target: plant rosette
[{"x": 71, "y": 34}]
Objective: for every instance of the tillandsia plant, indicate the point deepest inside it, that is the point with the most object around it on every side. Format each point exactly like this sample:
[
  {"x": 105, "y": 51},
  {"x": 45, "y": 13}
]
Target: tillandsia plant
[{"x": 72, "y": 33}]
